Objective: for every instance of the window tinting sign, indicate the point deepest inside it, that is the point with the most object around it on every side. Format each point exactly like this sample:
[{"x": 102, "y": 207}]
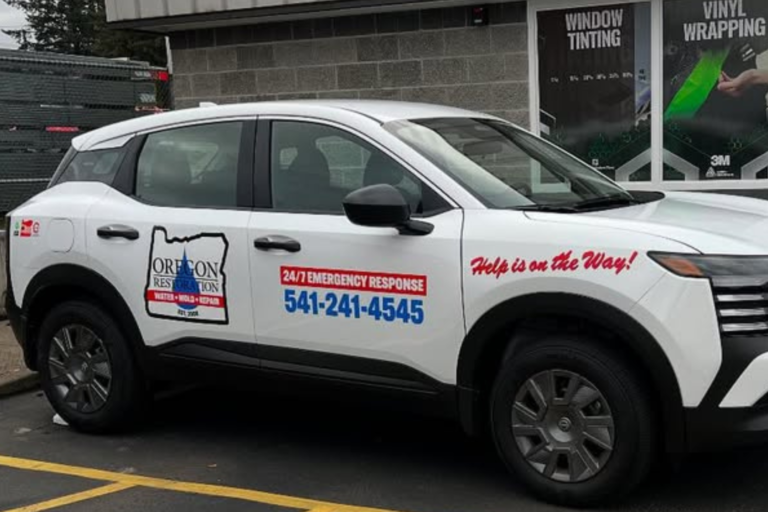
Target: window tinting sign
[{"x": 594, "y": 86}]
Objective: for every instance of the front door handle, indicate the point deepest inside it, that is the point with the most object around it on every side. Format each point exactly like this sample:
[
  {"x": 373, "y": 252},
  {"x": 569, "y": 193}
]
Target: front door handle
[
  {"x": 117, "y": 231},
  {"x": 277, "y": 242}
]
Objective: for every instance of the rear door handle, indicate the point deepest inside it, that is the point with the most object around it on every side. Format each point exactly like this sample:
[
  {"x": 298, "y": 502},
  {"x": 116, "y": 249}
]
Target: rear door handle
[
  {"x": 117, "y": 231},
  {"x": 277, "y": 243}
]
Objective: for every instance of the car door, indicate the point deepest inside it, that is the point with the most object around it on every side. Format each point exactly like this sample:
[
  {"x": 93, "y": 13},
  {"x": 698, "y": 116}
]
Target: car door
[
  {"x": 345, "y": 298},
  {"x": 171, "y": 235}
]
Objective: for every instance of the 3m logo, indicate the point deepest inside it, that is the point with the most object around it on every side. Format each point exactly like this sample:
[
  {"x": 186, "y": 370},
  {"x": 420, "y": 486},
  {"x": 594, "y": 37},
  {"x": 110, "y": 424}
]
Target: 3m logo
[
  {"x": 720, "y": 161},
  {"x": 186, "y": 279}
]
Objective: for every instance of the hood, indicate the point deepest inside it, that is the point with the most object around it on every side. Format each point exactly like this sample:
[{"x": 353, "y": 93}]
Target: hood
[{"x": 708, "y": 223}]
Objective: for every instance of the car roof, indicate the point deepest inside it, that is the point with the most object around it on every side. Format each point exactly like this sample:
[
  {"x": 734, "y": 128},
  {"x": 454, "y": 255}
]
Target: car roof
[{"x": 378, "y": 110}]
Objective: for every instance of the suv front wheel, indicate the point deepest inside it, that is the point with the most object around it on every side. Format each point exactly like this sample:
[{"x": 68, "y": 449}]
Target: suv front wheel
[
  {"x": 572, "y": 421},
  {"x": 87, "y": 370}
]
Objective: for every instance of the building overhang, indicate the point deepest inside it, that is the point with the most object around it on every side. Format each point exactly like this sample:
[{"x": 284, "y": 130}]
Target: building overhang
[{"x": 167, "y": 16}]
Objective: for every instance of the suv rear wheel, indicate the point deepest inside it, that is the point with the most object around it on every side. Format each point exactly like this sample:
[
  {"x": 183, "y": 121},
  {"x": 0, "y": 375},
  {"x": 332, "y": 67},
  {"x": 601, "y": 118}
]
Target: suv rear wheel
[
  {"x": 87, "y": 370},
  {"x": 572, "y": 421}
]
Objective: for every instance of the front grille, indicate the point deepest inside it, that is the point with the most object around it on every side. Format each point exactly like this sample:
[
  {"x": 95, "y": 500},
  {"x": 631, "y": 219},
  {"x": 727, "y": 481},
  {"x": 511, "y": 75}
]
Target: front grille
[{"x": 741, "y": 310}]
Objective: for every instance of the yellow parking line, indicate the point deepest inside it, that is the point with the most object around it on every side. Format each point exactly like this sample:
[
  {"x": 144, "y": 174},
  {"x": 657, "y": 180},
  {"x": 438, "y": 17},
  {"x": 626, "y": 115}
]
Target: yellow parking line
[
  {"x": 325, "y": 508},
  {"x": 73, "y": 498},
  {"x": 186, "y": 487}
]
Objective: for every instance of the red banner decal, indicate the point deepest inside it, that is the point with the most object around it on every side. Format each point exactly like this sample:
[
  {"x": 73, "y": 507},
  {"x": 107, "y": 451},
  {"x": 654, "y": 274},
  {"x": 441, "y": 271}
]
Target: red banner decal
[
  {"x": 336, "y": 279},
  {"x": 192, "y": 299}
]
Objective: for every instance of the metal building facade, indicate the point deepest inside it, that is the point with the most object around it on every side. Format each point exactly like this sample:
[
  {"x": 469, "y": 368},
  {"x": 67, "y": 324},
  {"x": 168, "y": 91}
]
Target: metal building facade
[{"x": 124, "y": 10}]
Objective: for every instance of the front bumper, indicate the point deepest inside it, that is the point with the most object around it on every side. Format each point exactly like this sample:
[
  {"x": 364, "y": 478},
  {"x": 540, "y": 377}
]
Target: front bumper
[
  {"x": 735, "y": 409},
  {"x": 717, "y": 429}
]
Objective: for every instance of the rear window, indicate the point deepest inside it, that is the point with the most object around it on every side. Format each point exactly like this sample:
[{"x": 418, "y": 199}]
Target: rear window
[{"x": 98, "y": 166}]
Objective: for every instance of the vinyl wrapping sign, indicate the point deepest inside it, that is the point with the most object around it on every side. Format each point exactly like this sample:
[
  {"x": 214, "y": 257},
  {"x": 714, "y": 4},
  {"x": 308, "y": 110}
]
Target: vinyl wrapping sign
[{"x": 715, "y": 87}]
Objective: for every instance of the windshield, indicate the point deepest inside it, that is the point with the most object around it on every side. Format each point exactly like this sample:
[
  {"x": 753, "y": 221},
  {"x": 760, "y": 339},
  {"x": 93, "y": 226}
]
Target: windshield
[{"x": 506, "y": 167}]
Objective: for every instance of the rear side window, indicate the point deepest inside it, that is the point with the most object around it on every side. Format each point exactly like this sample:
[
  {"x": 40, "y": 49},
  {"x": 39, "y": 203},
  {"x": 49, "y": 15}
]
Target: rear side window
[
  {"x": 98, "y": 166},
  {"x": 195, "y": 166}
]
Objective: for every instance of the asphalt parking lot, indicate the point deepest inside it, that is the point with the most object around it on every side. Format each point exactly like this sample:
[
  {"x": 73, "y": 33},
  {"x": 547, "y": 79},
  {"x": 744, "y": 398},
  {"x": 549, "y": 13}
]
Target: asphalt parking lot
[{"x": 261, "y": 454}]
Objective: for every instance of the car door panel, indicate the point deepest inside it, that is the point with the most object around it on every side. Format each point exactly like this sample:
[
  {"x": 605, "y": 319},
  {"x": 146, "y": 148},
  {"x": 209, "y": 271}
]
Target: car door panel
[
  {"x": 360, "y": 291},
  {"x": 172, "y": 233},
  {"x": 151, "y": 275},
  {"x": 324, "y": 285}
]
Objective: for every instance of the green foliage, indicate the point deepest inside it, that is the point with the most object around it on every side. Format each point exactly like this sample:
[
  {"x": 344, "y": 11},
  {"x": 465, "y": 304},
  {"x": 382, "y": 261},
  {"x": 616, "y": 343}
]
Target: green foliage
[{"x": 79, "y": 27}]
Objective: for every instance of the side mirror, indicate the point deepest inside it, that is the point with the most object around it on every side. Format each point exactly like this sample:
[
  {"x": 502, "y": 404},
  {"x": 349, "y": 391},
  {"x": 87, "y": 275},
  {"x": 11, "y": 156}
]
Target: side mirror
[{"x": 383, "y": 206}]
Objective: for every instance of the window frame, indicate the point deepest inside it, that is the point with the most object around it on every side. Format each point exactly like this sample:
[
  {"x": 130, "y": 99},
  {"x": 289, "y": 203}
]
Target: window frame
[
  {"x": 127, "y": 175},
  {"x": 262, "y": 186}
]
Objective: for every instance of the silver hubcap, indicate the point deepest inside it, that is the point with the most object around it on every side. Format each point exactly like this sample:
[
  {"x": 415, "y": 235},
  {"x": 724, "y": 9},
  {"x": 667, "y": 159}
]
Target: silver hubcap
[
  {"x": 80, "y": 369},
  {"x": 563, "y": 426}
]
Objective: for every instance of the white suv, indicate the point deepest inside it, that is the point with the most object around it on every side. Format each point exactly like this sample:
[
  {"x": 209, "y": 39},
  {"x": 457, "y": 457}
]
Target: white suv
[{"x": 442, "y": 257}]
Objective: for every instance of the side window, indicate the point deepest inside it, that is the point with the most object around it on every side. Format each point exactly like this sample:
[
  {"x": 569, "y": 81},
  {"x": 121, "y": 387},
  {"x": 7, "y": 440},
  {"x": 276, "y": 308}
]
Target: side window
[
  {"x": 315, "y": 166},
  {"x": 195, "y": 166},
  {"x": 98, "y": 166}
]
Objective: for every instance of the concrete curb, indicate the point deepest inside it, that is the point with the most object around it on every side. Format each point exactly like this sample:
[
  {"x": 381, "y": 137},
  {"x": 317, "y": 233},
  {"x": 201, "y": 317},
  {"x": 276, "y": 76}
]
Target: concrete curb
[{"x": 14, "y": 386}]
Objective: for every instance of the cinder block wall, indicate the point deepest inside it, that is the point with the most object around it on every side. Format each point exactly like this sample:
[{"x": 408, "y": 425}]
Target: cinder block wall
[{"x": 428, "y": 56}]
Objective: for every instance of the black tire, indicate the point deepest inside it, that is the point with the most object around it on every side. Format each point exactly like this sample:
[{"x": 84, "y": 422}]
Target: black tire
[
  {"x": 126, "y": 398},
  {"x": 633, "y": 427}
]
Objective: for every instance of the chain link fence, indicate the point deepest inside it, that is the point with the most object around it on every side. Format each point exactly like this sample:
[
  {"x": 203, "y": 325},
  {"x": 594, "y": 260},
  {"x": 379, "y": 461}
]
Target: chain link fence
[{"x": 48, "y": 99}]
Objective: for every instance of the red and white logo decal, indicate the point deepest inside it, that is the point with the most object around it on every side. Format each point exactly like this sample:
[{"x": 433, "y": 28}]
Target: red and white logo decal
[{"x": 28, "y": 228}]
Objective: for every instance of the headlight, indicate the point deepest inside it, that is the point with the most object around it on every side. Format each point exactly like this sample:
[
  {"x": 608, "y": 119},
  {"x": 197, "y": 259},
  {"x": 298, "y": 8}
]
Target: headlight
[
  {"x": 727, "y": 271},
  {"x": 738, "y": 283}
]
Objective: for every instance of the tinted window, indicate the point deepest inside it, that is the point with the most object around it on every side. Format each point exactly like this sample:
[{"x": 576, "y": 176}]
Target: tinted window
[
  {"x": 194, "y": 166},
  {"x": 314, "y": 167},
  {"x": 98, "y": 166}
]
